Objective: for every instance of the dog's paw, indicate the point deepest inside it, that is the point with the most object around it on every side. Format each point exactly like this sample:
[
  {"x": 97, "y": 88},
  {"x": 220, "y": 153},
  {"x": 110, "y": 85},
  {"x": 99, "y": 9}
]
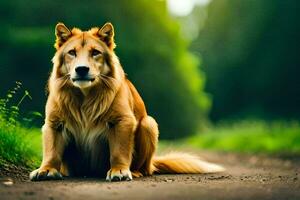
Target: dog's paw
[
  {"x": 119, "y": 174},
  {"x": 45, "y": 173}
]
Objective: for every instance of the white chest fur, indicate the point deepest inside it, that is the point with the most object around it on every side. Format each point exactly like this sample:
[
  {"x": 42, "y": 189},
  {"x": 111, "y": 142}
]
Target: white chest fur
[{"x": 84, "y": 134}]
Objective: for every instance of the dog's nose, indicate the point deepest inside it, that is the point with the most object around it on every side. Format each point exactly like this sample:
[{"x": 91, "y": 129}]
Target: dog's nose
[{"x": 82, "y": 70}]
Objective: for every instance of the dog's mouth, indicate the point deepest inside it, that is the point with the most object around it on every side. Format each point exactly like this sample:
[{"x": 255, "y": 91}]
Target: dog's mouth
[
  {"x": 83, "y": 82},
  {"x": 83, "y": 79}
]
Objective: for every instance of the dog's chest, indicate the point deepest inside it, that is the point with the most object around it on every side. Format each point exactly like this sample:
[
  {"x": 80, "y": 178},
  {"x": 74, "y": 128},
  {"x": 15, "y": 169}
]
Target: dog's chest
[
  {"x": 84, "y": 133},
  {"x": 87, "y": 150}
]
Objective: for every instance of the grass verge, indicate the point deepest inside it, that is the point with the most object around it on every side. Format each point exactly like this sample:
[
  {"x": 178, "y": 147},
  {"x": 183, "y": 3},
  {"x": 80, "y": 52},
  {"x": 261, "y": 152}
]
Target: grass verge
[
  {"x": 250, "y": 137},
  {"x": 19, "y": 145}
]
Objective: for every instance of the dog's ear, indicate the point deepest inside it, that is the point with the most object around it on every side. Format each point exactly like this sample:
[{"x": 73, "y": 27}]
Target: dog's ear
[
  {"x": 106, "y": 34},
  {"x": 62, "y": 34}
]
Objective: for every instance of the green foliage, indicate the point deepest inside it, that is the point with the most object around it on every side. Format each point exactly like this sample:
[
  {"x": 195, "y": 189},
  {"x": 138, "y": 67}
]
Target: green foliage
[
  {"x": 18, "y": 144},
  {"x": 251, "y": 136},
  {"x": 250, "y": 52},
  {"x": 149, "y": 44}
]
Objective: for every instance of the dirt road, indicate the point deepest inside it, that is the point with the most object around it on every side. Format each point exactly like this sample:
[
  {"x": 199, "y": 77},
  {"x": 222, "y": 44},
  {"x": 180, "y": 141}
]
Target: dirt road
[{"x": 247, "y": 177}]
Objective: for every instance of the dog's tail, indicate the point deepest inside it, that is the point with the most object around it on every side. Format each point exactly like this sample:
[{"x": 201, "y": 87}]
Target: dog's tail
[{"x": 183, "y": 163}]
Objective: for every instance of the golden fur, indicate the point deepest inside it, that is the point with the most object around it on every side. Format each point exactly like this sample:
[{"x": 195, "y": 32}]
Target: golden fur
[{"x": 97, "y": 124}]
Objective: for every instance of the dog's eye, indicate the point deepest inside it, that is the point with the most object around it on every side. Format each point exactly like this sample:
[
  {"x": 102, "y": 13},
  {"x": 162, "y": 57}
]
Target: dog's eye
[
  {"x": 95, "y": 52},
  {"x": 72, "y": 52}
]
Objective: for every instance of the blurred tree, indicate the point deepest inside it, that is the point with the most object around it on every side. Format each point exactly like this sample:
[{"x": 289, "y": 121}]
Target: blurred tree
[
  {"x": 150, "y": 48},
  {"x": 250, "y": 55}
]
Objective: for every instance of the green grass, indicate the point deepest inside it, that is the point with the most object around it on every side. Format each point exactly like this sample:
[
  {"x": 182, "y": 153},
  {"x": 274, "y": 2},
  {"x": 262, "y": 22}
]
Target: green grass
[
  {"x": 19, "y": 145},
  {"x": 250, "y": 137}
]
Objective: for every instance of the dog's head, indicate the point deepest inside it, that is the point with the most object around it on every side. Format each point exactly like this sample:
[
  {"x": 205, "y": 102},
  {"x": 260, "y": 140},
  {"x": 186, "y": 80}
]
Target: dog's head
[{"x": 83, "y": 58}]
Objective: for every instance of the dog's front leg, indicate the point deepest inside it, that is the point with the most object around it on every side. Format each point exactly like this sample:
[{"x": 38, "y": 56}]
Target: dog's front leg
[
  {"x": 121, "y": 142},
  {"x": 53, "y": 147}
]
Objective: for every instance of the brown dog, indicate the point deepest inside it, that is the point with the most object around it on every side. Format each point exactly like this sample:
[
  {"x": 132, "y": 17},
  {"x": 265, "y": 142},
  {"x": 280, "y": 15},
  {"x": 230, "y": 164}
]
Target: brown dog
[{"x": 96, "y": 122}]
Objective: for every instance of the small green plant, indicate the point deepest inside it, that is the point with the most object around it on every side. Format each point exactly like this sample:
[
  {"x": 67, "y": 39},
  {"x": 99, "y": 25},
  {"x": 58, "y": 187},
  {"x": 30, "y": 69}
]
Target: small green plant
[
  {"x": 18, "y": 143},
  {"x": 10, "y": 113}
]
